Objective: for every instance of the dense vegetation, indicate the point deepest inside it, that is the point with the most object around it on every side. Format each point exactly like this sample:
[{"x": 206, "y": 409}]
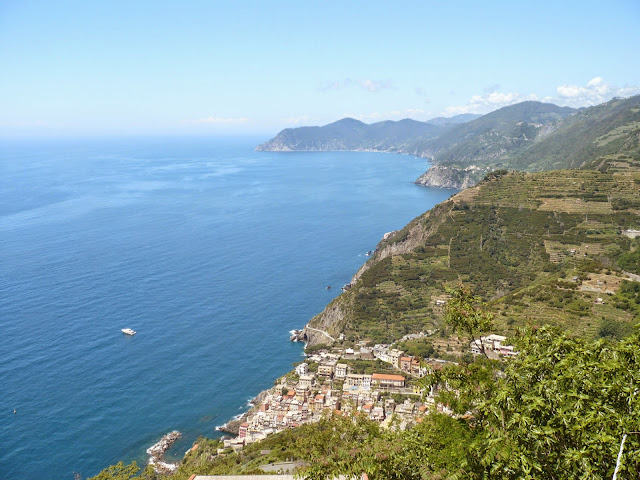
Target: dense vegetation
[
  {"x": 540, "y": 248},
  {"x": 509, "y": 129}
]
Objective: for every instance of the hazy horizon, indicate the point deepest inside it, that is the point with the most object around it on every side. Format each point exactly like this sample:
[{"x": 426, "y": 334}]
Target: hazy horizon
[{"x": 110, "y": 68}]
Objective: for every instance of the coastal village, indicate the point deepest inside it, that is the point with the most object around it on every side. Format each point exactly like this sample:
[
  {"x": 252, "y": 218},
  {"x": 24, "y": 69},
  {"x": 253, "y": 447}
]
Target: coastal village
[{"x": 380, "y": 382}]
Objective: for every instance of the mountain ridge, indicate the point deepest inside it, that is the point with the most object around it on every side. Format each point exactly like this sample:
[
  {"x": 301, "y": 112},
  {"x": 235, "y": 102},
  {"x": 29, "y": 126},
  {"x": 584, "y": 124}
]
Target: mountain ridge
[{"x": 528, "y": 136}]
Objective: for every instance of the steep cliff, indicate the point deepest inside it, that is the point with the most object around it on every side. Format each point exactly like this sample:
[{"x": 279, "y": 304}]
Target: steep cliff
[{"x": 452, "y": 177}]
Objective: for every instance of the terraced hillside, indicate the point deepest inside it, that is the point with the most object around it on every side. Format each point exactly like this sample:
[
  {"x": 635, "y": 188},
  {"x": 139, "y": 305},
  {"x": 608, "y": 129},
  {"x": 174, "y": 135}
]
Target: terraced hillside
[{"x": 550, "y": 247}]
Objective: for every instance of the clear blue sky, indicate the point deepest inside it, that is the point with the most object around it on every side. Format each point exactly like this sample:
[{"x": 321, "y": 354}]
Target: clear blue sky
[{"x": 191, "y": 66}]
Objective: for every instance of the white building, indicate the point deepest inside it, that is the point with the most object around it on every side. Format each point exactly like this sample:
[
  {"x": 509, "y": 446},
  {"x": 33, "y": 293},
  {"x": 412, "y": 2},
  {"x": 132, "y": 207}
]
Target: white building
[
  {"x": 305, "y": 381},
  {"x": 302, "y": 369},
  {"x": 341, "y": 370},
  {"x": 354, "y": 380},
  {"x": 492, "y": 343}
]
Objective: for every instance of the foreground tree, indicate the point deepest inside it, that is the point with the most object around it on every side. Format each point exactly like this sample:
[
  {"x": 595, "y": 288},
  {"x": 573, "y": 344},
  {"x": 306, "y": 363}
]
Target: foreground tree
[
  {"x": 467, "y": 314},
  {"x": 352, "y": 446},
  {"x": 561, "y": 410},
  {"x": 120, "y": 471}
]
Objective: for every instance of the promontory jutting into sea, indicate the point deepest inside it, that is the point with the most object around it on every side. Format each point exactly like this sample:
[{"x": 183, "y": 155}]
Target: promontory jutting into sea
[{"x": 210, "y": 251}]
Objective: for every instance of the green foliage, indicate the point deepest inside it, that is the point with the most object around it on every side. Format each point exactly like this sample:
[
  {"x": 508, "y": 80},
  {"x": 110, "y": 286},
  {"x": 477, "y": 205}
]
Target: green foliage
[
  {"x": 467, "y": 314},
  {"x": 369, "y": 366},
  {"x": 561, "y": 409},
  {"x": 614, "y": 329},
  {"x": 120, "y": 471},
  {"x": 310, "y": 349},
  {"x": 630, "y": 261},
  {"x": 628, "y": 298},
  {"x": 352, "y": 446},
  {"x": 462, "y": 386},
  {"x": 421, "y": 348}
]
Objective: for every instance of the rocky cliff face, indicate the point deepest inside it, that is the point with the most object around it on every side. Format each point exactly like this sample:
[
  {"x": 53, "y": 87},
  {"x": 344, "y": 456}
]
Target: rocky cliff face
[
  {"x": 331, "y": 321},
  {"x": 452, "y": 177},
  {"x": 333, "y": 318}
]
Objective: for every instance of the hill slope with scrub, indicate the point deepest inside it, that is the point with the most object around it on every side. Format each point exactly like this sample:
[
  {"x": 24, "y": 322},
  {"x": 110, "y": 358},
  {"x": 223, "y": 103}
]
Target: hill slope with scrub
[{"x": 549, "y": 247}]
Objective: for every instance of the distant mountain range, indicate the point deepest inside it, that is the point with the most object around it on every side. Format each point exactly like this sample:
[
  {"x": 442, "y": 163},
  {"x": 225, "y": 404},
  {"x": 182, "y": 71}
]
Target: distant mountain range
[
  {"x": 352, "y": 134},
  {"x": 528, "y": 136}
]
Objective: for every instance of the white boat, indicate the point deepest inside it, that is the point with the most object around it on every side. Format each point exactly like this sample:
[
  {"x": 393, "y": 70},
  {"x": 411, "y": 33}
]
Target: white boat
[{"x": 128, "y": 331}]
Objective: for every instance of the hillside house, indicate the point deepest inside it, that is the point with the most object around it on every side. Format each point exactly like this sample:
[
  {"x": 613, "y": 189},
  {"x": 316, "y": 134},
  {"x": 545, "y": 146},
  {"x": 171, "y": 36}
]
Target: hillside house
[
  {"x": 405, "y": 363},
  {"x": 341, "y": 370},
  {"x": 354, "y": 380},
  {"x": 326, "y": 370},
  {"x": 387, "y": 381}
]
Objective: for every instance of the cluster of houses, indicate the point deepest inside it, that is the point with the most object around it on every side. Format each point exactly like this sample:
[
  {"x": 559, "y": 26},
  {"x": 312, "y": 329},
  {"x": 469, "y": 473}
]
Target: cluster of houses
[
  {"x": 493, "y": 346},
  {"x": 331, "y": 387},
  {"x": 288, "y": 406}
]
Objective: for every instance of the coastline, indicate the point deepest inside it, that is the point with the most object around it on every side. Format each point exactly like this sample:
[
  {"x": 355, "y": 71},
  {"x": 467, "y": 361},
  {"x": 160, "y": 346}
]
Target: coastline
[
  {"x": 435, "y": 176},
  {"x": 233, "y": 426},
  {"x": 370, "y": 150}
]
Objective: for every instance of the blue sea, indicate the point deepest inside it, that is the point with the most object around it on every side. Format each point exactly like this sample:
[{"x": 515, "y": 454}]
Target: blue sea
[{"x": 211, "y": 251}]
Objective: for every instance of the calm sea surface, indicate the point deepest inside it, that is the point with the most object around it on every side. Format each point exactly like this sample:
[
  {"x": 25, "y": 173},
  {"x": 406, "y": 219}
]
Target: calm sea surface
[{"x": 211, "y": 251}]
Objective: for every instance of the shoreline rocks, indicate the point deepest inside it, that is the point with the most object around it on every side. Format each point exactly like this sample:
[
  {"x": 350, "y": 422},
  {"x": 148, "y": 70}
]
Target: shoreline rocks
[
  {"x": 156, "y": 453},
  {"x": 297, "y": 336}
]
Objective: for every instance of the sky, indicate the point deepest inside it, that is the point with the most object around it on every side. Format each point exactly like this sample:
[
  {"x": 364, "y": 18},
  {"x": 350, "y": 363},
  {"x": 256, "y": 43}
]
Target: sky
[{"x": 238, "y": 67}]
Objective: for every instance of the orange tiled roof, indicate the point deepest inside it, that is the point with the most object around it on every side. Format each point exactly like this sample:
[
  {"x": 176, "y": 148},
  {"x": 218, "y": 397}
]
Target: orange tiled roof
[{"x": 386, "y": 376}]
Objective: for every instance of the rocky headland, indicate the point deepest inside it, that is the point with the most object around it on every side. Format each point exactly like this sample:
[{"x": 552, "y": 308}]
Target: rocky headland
[{"x": 452, "y": 177}]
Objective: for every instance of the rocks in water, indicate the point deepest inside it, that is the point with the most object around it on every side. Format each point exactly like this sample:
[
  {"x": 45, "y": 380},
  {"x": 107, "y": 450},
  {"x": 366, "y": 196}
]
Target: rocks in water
[
  {"x": 156, "y": 453},
  {"x": 297, "y": 336}
]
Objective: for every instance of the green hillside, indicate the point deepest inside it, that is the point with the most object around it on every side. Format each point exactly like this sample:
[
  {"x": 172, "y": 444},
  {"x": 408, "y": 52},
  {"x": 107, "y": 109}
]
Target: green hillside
[
  {"x": 528, "y": 137},
  {"x": 493, "y": 135},
  {"x": 607, "y": 131},
  {"x": 540, "y": 247}
]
